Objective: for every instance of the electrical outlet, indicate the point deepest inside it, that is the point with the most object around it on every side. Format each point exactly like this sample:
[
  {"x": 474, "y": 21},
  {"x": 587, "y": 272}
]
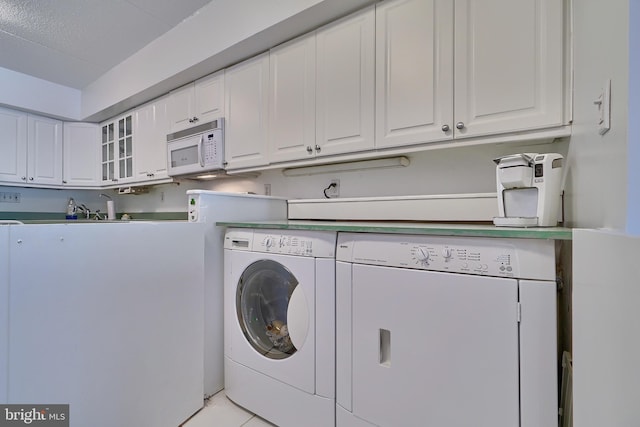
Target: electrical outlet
[
  {"x": 333, "y": 190},
  {"x": 9, "y": 197}
]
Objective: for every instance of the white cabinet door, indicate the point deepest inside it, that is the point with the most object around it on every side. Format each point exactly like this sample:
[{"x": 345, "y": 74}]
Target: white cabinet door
[
  {"x": 199, "y": 102},
  {"x": 247, "y": 108},
  {"x": 345, "y": 84},
  {"x": 508, "y": 66},
  {"x": 151, "y": 126},
  {"x": 292, "y": 112},
  {"x": 181, "y": 103},
  {"x": 44, "y": 151},
  {"x": 13, "y": 146},
  {"x": 209, "y": 98},
  {"x": 117, "y": 150},
  {"x": 414, "y": 72},
  {"x": 81, "y": 150}
]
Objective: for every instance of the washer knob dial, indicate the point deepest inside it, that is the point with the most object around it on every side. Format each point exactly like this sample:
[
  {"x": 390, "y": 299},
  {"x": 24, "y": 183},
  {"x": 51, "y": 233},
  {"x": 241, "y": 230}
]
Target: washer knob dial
[
  {"x": 268, "y": 242},
  {"x": 447, "y": 253}
]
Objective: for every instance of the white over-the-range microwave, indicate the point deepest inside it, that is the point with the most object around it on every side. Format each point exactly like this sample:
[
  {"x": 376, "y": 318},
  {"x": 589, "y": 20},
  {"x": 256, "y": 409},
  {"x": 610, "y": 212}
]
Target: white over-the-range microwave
[{"x": 196, "y": 151}]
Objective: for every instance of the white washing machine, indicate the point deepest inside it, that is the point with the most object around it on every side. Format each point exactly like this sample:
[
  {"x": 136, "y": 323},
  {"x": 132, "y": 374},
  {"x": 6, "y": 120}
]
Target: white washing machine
[
  {"x": 445, "y": 331},
  {"x": 279, "y": 306},
  {"x": 208, "y": 207}
]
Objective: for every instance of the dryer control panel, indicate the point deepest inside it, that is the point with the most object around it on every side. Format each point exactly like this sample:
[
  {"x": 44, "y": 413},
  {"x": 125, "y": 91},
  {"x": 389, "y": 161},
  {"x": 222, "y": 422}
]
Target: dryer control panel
[{"x": 514, "y": 258}]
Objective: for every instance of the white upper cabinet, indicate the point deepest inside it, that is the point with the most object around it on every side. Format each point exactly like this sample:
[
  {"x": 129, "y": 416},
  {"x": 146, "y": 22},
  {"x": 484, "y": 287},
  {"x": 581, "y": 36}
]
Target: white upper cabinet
[
  {"x": 117, "y": 151},
  {"x": 247, "y": 111},
  {"x": 414, "y": 71},
  {"x": 199, "y": 102},
  {"x": 459, "y": 69},
  {"x": 508, "y": 66},
  {"x": 30, "y": 149},
  {"x": 345, "y": 79},
  {"x": 13, "y": 146},
  {"x": 44, "y": 151},
  {"x": 292, "y": 101},
  {"x": 81, "y": 155},
  {"x": 151, "y": 126}
]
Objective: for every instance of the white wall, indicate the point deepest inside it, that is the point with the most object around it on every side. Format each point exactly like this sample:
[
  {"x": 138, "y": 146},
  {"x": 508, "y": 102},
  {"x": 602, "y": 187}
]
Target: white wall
[
  {"x": 24, "y": 92},
  {"x": 597, "y": 178},
  {"x": 606, "y": 346},
  {"x": 52, "y": 201},
  {"x": 220, "y": 34},
  {"x": 443, "y": 171},
  {"x": 633, "y": 155}
]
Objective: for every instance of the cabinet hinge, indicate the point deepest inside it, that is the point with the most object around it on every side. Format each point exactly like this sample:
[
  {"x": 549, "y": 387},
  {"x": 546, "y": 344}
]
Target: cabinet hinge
[{"x": 519, "y": 312}]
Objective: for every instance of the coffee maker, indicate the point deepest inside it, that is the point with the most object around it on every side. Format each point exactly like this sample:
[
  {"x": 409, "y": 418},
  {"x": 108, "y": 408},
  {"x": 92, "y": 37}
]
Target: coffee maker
[{"x": 528, "y": 187}]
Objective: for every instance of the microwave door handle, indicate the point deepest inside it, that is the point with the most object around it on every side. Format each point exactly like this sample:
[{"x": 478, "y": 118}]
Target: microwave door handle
[{"x": 200, "y": 146}]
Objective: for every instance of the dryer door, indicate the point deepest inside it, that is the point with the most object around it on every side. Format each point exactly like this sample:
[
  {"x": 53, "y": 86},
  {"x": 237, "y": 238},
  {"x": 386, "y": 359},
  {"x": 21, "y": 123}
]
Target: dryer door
[{"x": 272, "y": 310}]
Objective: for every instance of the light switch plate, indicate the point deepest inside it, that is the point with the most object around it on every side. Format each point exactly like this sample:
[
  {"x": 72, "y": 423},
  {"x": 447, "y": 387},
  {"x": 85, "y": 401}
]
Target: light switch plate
[{"x": 604, "y": 108}]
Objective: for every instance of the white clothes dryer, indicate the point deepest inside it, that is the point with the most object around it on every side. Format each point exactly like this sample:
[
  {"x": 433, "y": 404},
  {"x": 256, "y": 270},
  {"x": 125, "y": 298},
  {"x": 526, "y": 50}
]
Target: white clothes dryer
[
  {"x": 445, "y": 331},
  {"x": 279, "y": 306}
]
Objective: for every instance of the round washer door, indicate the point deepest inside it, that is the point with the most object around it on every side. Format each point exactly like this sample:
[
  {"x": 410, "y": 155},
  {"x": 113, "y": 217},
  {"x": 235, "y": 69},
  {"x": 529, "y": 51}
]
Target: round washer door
[{"x": 272, "y": 309}]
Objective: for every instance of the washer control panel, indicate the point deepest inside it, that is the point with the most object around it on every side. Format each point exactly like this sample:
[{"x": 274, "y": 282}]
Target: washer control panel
[
  {"x": 318, "y": 244},
  {"x": 285, "y": 244}
]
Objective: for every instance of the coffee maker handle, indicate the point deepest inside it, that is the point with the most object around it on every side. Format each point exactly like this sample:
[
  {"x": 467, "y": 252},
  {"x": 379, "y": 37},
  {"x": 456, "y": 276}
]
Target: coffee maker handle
[{"x": 524, "y": 156}]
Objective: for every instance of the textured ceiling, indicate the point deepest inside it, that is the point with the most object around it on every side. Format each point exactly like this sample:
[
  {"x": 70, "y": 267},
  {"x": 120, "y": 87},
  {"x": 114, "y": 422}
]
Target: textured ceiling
[{"x": 73, "y": 42}]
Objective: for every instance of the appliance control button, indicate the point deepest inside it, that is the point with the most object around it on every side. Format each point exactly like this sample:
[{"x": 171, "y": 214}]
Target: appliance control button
[{"x": 422, "y": 255}]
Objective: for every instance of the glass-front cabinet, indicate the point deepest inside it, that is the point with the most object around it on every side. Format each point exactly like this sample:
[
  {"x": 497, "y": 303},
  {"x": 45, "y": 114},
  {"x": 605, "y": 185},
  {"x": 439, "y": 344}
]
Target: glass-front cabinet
[{"x": 117, "y": 150}]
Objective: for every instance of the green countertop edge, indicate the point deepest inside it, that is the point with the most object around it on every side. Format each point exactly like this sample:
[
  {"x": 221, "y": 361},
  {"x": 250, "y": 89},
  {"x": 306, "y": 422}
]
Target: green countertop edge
[
  {"x": 52, "y": 216},
  {"x": 435, "y": 229}
]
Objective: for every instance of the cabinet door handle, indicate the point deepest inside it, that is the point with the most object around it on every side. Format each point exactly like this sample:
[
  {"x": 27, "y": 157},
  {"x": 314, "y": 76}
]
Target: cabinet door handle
[
  {"x": 30, "y": 178},
  {"x": 190, "y": 120},
  {"x": 459, "y": 125},
  {"x": 64, "y": 182},
  {"x": 445, "y": 128},
  {"x": 318, "y": 148},
  {"x": 195, "y": 119},
  {"x": 24, "y": 178},
  {"x": 309, "y": 149}
]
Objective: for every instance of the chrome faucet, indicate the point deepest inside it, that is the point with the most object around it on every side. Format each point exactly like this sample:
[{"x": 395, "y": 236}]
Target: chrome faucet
[{"x": 82, "y": 208}]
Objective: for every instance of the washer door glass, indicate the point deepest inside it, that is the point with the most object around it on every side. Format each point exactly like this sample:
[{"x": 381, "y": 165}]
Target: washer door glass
[{"x": 272, "y": 310}]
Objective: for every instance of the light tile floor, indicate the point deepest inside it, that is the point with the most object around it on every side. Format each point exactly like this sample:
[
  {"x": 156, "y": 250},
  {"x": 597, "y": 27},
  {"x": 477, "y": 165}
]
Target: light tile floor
[{"x": 219, "y": 411}]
